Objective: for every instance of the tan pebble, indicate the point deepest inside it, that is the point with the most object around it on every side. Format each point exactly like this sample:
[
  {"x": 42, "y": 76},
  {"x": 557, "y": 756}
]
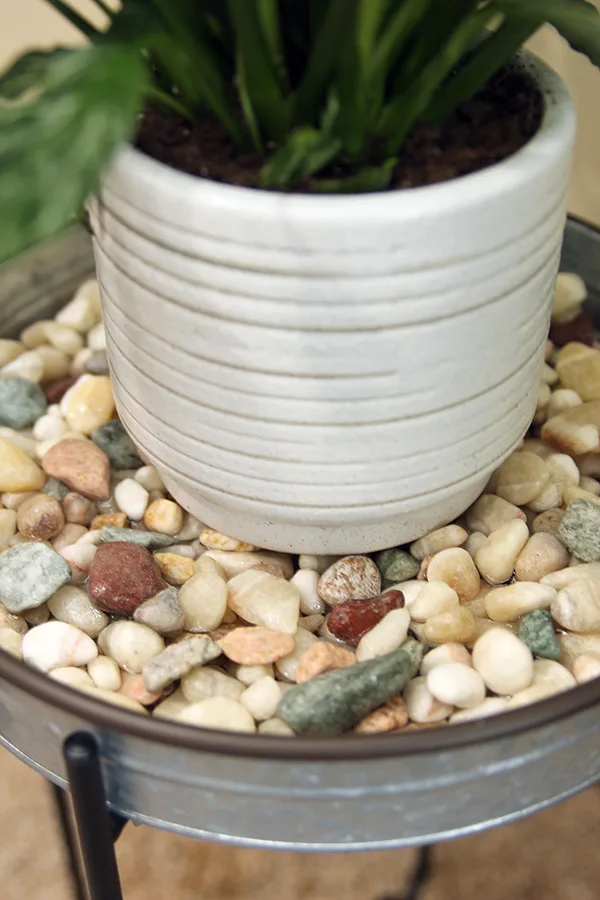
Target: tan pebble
[
  {"x": 256, "y": 646},
  {"x": 78, "y": 509},
  {"x": 63, "y": 337},
  {"x": 164, "y": 516},
  {"x": 575, "y": 431},
  {"x": 474, "y": 542},
  {"x": 18, "y": 473},
  {"x": 441, "y": 539},
  {"x": 549, "y": 375},
  {"x": 388, "y": 635},
  {"x": 21, "y": 440},
  {"x": 457, "y": 569},
  {"x": 591, "y": 485},
  {"x": 96, "y": 337},
  {"x": 522, "y": 478},
  {"x": 588, "y": 464},
  {"x": 311, "y": 623},
  {"x": 118, "y": 520},
  {"x": 586, "y": 667},
  {"x": 542, "y": 554},
  {"x": 323, "y": 657},
  {"x": 206, "y": 563},
  {"x": 149, "y": 478},
  {"x": 318, "y": 564},
  {"x": 56, "y": 363},
  {"x": 577, "y": 605},
  {"x": 133, "y": 686},
  {"x": 422, "y": 573},
  {"x": 72, "y": 676},
  {"x": 89, "y": 403},
  {"x": 206, "y": 681},
  {"x": 40, "y": 518},
  {"x": 28, "y": 366},
  {"x": 69, "y": 535},
  {"x": 83, "y": 311},
  {"x": 451, "y": 627},
  {"x": 531, "y": 694},
  {"x": 214, "y": 540},
  {"x": 172, "y": 707},
  {"x": 490, "y": 512},
  {"x": 115, "y": 699},
  {"x": 81, "y": 465},
  {"x": 175, "y": 569},
  {"x": 577, "y": 493},
  {"x": 350, "y": 578},
  {"x": 203, "y": 599},
  {"x": 543, "y": 397},
  {"x": 565, "y": 577},
  {"x": 262, "y": 698},
  {"x": 445, "y": 653},
  {"x": 496, "y": 558},
  {"x": 105, "y": 673},
  {"x": 271, "y": 568},
  {"x": 547, "y": 522},
  {"x": 551, "y": 672},
  {"x": 12, "y": 621},
  {"x": 563, "y": 471},
  {"x": 457, "y": 685},
  {"x": 131, "y": 644},
  {"x": 421, "y": 705},
  {"x": 574, "y": 645},
  {"x": 491, "y": 706},
  {"x": 276, "y": 727},
  {"x": 580, "y": 371},
  {"x": 10, "y": 350},
  {"x": 435, "y": 597},
  {"x": 262, "y": 599},
  {"x": 393, "y": 714},
  {"x": 537, "y": 446},
  {"x": 11, "y": 642},
  {"x": 236, "y": 563},
  {"x": 569, "y": 294},
  {"x": 222, "y": 713},
  {"x": 248, "y": 674},
  {"x": 561, "y": 400},
  {"x": 505, "y": 604},
  {"x": 8, "y": 526},
  {"x": 550, "y": 498},
  {"x": 38, "y": 615}
]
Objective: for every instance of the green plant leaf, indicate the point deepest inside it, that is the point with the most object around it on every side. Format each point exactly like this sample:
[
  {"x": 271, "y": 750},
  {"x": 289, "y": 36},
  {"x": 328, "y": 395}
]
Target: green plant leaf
[
  {"x": 28, "y": 72},
  {"x": 54, "y": 147},
  {"x": 306, "y": 151},
  {"x": 372, "y": 178},
  {"x": 81, "y": 24},
  {"x": 577, "y": 20}
]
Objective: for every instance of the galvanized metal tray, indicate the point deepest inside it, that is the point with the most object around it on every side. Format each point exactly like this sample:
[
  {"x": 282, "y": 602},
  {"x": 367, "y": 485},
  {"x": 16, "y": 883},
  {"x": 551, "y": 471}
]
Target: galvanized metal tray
[{"x": 348, "y": 793}]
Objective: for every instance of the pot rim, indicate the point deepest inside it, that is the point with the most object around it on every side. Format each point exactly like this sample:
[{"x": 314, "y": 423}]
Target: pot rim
[{"x": 557, "y": 127}]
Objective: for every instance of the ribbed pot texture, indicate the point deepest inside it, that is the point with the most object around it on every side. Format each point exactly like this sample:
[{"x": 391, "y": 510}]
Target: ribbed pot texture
[{"x": 332, "y": 374}]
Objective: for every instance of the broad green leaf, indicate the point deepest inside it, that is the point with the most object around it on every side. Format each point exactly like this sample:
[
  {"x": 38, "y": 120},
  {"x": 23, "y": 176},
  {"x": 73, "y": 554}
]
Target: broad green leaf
[
  {"x": 28, "y": 72},
  {"x": 306, "y": 151},
  {"x": 54, "y": 147},
  {"x": 371, "y": 178},
  {"x": 577, "y": 21}
]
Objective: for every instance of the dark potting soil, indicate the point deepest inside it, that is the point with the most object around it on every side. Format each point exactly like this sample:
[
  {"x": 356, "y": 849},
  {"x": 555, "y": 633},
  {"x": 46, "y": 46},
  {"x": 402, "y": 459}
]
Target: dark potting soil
[{"x": 492, "y": 126}]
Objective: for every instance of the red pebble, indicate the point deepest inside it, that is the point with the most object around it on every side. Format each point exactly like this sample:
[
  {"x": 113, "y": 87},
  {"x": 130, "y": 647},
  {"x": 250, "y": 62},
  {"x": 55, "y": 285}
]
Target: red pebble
[
  {"x": 122, "y": 576},
  {"x": 56, "y": 390},
  {"x": 580, "y": 329},
  {"x": 351, "y": 621}
]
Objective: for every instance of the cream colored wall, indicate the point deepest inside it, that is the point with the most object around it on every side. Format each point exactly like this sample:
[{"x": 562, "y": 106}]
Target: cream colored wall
[{"x": 26, "y": 23}]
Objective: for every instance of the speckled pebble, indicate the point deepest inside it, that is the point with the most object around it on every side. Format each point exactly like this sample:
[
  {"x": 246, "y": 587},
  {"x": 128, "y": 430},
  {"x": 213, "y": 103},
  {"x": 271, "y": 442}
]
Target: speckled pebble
[
  {"x": 177, "y": 660},
  {"x": 537, "y": 632},
  {"x": 30, "y": 574},
  {"x": 21, "y": 403},
  {"x": 579, "y": 530},
  {"x": 163, "y": 613},
  {"x": 118, "y": 446},
  {"x": 350, "y": 578}
]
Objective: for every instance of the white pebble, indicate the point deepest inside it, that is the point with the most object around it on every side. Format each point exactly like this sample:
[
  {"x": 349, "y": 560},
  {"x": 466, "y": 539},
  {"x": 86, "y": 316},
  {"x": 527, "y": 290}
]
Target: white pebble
[
  {"x": 249, "y": 674},
  {"x": 504, "y": 662},
  {"x": 505, "y": 604},
  {"x": 444, "y": 654},
  {"x": 530, "y": 695},
  {"x": 131, "y": 644},
  {"x": 218, "y": 712},
  {"x": 203, "y": 599},
  {"x": 96, "y": 339},
  {"x": 421, "y": 705},
  {"x": 491, "y": 706},
  {"x": 311, "y": 623},
  {"x": 80, "y": 557},
  {"x": 79, "y": 362},
  {"x": 457, "y": 685},
  {"x": 288, "y": 665},
  {"x": 132, "y": 499},
  {"x": 56, "y": 644},
  {"x": 434, "y": 597},
  {"x": 71, "y": 604},
  {"x": 276, "y": 727},
  {"x": 205, "y": 681},
  {"x": 307, "y": 580},
  {"x": 64, "y": 338},
  {"x": 105, "y": 673},
  {"x": 586, "y": 667},
  {"x": 191, "y": 530},
  {"x": 387, "y": 636},
  {"x": 262, "y": 698},
  {"x": 318, "y": 564},
  {"x": 81, "y": 313},
  {"x": 49, "y": 428},
  {"x": 149, "y": 478},
  {"x": 8, "y": 526},
  {"x": 552, "y": 673},
  {"x": 29, "y": 366},
  {"x": 76, "y": 678}
]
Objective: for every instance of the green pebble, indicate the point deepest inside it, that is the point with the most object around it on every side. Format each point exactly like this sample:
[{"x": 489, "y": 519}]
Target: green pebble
[
  {"x": 151, "y": 540},
  {"x": 396, "y": 565},
  {"x": 579, "y": 530},
  {"x": 55, "y": 488},
  {"x": 336, "y": 701},
  {"x": 30, "y": 574},
  {"x": 21, "y": 403},
  {"x": 537, "y": 631},
  {"x": 118, "y": 446}
]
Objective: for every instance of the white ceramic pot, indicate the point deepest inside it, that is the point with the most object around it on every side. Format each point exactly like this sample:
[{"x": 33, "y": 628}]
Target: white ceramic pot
[{"x": 332, "y": 374}]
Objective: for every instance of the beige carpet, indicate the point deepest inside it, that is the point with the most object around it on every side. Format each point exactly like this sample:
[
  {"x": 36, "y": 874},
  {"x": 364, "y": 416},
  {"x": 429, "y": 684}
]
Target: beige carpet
[{"x": 552, "y": 856}]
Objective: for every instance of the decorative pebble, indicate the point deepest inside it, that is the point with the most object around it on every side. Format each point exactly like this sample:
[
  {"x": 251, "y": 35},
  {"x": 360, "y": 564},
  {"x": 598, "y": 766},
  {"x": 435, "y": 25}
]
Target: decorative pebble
[
  {"x": 14, "y": 622},
  {"x": 122, "y": 577},
  {"x": 276, "y": 728},
  {"x": 11, "y": 642},
  {"x": 40, "y": 517},
  {"x": 97, "y": 364},
  {"x": 434, "y": 597},
  {"x": 451, "y": 627},
  {"x": 504, "y": 662},
  {"x": 8, "y": 526},
  {"x": 392, "y": 716},
  {"x": 88, "y": 404},
  {"x": 256, "y": 646},
  {"x": 164, "y": 516},
  {"x": 323, "y": 657},
  {"x": 105, "y": 673},
  {"x": 436, "y": 541},
  {"x": 496, "y": 558},
  {"x": 456, "y": 684},
  {"x": 444, "y": 654},
  {"x": 22, "y": 403},
  {"x": 263, "y": 599},
  {"x": 18, "y": 473},
  {"x": 72, "y": 676},
  {"x": 38, "y": 615},
  {"x": 112, "y": 438},
  {"x": 177, "y": 660},
  {"x": 29, "y": 366},
  {"x": 457, "y": 569},
  {"x": 552, "y": 673},
  {"x": 505, "y": 604},
  {"x": 131, "y": 644},
  {"x": 55, "y": 488},
  {"x": 577, "y": 605},
  {"x": 491, "y": 706},
  {"x": 388, "y": 635},
  {"x": 543, "y": 553},
  {"x": 338, "y": 700},
  {"x": 422, "y": 706},
  {"x": 78, "y": 510},
  {"x": 203, "y": 599},
  {"x": 175, "y": 569},
  {"x": 350, "y": 621},
  {"x": 318, "y": 564},
  {"x": 235, "y": 563},
  {"x": 396, "y": 565},
  {"x": 350, "y": 578},
  {"x": 10, "y": 350},
  {"x": 307, "y": 582},
  {"x": 81, "y": 465},
  {"x": 163, "y": 613},
  {"x": 575, "y": 431},
  {"x": 206, "y": 681},
  {"x": 537, "y": 631},
  {"x": 222, "y": 713},
  {"x": 29, "y": 574},
  {"x": 57, "y": 644},
  {"x": 151, "y": 540},
  {"x": 579, "y": 530},
  {"x": 72, "y": 605},
  {"x": 262, "y": 698},
  {"x": 585, "y": 668},
  {"x": 132, "y": 499},
  {"x": 214, "y": 540},
  {"x": 287, "y": 666}
]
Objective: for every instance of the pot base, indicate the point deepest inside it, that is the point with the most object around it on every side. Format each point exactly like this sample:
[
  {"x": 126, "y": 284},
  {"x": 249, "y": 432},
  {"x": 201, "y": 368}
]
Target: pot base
[{"x": 323, "y": 539}]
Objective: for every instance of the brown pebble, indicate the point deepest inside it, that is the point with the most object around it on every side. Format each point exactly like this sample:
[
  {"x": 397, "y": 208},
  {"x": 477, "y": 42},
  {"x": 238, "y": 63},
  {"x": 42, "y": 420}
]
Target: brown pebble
[
  {"x": 81, "y": 465},
  {"x": 122, "y": 576},
  {"x": 256, "y": 646},
  {"x": 323, "y": 657},
  {"x": 78, "y": 509},
  {"x": 271, "y": 568},
  {"x": 118, "y": 520},
  {"x": 388, "y": 717},
  {"x": 56, "y": 390},
  {"x": 580, "y": 329},
  {"x": 40, "y": 517}
]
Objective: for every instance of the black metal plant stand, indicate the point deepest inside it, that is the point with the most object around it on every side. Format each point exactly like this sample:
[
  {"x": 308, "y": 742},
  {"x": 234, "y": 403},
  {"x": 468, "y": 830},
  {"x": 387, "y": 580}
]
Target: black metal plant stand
[{"x": 91, "y": 829}]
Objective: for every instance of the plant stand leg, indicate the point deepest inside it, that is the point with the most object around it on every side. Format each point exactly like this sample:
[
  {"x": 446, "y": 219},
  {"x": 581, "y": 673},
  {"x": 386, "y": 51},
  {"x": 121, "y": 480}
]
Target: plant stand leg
[
  {"x": 97, "y": 829},
  {"x": 419, "y": 877},
  {"x": 69, "y": 839}
]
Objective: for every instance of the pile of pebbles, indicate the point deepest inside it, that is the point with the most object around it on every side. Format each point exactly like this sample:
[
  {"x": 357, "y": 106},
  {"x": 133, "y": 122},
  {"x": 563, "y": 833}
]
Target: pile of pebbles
[{"x": 110, "y": 587}]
